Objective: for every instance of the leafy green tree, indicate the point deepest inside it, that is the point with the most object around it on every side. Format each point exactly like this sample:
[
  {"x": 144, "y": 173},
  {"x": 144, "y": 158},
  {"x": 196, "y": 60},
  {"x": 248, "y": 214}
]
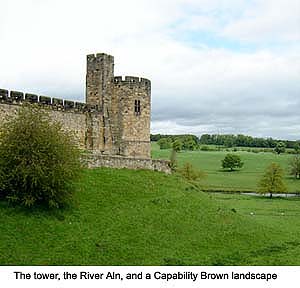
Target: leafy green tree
[
  {"x": 155, "y": 137},
  {"x": 232, "y": 161},
  {"x": 38, "y": 160},
  {"x": 295, "y": 166},
  {"x": 272, "y": 180},
  {"x": 229, "y": 141},
  {"x": 280, "y": 148},
  {"x": 189, "y": 143},
  {"x": 177, "y": 145},
  {"x": 297, "y": 148},
  {"x": 164, "y": 143}
]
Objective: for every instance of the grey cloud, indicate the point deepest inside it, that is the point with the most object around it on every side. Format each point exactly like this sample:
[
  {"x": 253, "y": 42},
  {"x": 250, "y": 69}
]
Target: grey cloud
[{"x": 194, "y": 90}]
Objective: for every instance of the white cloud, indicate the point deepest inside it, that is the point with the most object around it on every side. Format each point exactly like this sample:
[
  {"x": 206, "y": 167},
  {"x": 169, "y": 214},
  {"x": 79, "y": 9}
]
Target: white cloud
[
  {"x": 267, "y": 21},
  {"x": 195, "y": 88}
]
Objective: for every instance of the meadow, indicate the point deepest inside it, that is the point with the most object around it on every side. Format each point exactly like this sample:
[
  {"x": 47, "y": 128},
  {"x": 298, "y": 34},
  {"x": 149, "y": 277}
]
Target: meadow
[
  {"x": 127, "y": 217},
  {"x": 243, "y": 180}
]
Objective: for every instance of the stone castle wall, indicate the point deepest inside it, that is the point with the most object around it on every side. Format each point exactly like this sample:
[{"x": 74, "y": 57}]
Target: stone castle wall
[
  {"x": 75, "y": 117},
  {"x": 98, "y": 160},
  {"x": 114, "y": 121}
]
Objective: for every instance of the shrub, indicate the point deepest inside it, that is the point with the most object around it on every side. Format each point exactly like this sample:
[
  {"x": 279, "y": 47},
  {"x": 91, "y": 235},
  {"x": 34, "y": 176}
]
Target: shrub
[
  {"x": 38, "y": 160},
  {"x": 232, "y": 161},
  {"x": 190, "y": 173},
  {"x": 204, "y": 148},
  {"x": 210, "y": 148}
]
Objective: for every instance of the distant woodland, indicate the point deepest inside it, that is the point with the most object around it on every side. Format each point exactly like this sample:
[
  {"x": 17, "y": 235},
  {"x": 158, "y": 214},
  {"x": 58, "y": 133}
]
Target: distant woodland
[{"x": 192, "y": 142}]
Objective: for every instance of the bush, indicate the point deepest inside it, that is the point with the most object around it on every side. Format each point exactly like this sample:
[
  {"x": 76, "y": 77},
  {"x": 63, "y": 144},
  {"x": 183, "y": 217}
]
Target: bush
[
  {"x": 232, "y": 161},
  {"x": 38, "y": 160},
  {"x": 190, "y": 173},
  {"x": 205, "y": 148}
]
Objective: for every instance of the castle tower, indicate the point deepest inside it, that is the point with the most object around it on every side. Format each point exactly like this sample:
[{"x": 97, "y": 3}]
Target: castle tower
[
  {"x": 99, "y": 92},
  {"x": 125, "y": 110},
  {"x": 134, "y": 95},
  {"x": 99, "y": 77}
]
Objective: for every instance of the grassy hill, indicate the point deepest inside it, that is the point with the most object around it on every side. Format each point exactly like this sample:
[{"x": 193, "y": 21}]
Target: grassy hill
[
  {"x": 124, "y": 217},
  {"x": 245, "y": 179}
]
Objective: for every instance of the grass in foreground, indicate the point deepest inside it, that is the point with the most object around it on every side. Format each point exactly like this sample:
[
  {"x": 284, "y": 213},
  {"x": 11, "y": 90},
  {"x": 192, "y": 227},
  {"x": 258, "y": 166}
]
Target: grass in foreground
[
  {"x": 125, "y": 217},
  {"x": 245, "y": 179}
]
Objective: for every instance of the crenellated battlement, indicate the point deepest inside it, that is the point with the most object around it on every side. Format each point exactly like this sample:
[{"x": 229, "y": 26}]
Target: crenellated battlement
[
  {"x": 18, "y": 98},
  {"x": 114, "y": 120},
  {"x": 99, "y": 57},
  {"x": 132, "y": 80}
]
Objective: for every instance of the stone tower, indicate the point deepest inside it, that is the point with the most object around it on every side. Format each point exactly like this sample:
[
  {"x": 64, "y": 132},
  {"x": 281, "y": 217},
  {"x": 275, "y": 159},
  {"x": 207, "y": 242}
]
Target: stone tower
[
  {"x": 99, "y": 89},
  {"x": 125, "y": 104}
]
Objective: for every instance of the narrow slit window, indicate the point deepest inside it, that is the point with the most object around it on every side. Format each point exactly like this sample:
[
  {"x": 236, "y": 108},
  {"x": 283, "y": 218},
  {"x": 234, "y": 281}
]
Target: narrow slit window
[{"x": 137, "y": 107}]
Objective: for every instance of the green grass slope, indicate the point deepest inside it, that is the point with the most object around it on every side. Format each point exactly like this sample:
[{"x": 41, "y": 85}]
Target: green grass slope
[{"x": 125, "y": 217}]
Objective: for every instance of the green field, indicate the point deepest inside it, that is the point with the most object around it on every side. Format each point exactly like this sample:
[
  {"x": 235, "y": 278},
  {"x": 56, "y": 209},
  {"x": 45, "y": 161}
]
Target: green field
[
  {"x": 245, "y": 179},
  {"x": 125, "y": 217}
]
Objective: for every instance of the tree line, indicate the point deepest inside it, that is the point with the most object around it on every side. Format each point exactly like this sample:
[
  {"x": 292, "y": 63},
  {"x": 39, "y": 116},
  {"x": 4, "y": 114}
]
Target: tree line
[
  {"x": 240, "y": 140},
  {"x": 182, "y": 142},
  {"x": 192, "y": 142}
]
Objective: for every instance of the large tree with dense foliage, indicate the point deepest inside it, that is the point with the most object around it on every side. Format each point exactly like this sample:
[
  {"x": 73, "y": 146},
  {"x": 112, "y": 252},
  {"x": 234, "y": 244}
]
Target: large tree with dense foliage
[
  {"x": 232, "y": 161},
  {"x": 188, "y": 142},
  {"x": 38, "y": 160},
  {"x": 164, "y": 143},
  {"x": 297, "y": 148},
  {"x": 280, "y": 148},
  {"x": 295, "y": 166},
  {"x": 272, "y": 180},
  {"x": 177, "y": 145}
]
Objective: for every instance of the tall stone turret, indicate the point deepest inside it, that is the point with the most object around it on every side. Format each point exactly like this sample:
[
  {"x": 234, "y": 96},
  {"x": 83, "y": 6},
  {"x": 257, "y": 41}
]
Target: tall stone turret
[
  {"x": 134, "y": 95},
  {"x": 125, "y": 106},
  {"x": 99, "y": 92},
  {"x": 99, "y": 79},
  {"x": 114, "y": 123}
]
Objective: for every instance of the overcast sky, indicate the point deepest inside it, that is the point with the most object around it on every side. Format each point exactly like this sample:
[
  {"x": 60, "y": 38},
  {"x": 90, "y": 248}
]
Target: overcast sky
[{"x": 216, "y": 66}]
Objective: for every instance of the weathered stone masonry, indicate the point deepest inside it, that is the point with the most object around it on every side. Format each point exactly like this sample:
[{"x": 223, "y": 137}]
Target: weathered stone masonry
[
  {"x": 125, "y": 108},
  {"x": 97, "y": 160},
  {"x": 114, "y": 121}
]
